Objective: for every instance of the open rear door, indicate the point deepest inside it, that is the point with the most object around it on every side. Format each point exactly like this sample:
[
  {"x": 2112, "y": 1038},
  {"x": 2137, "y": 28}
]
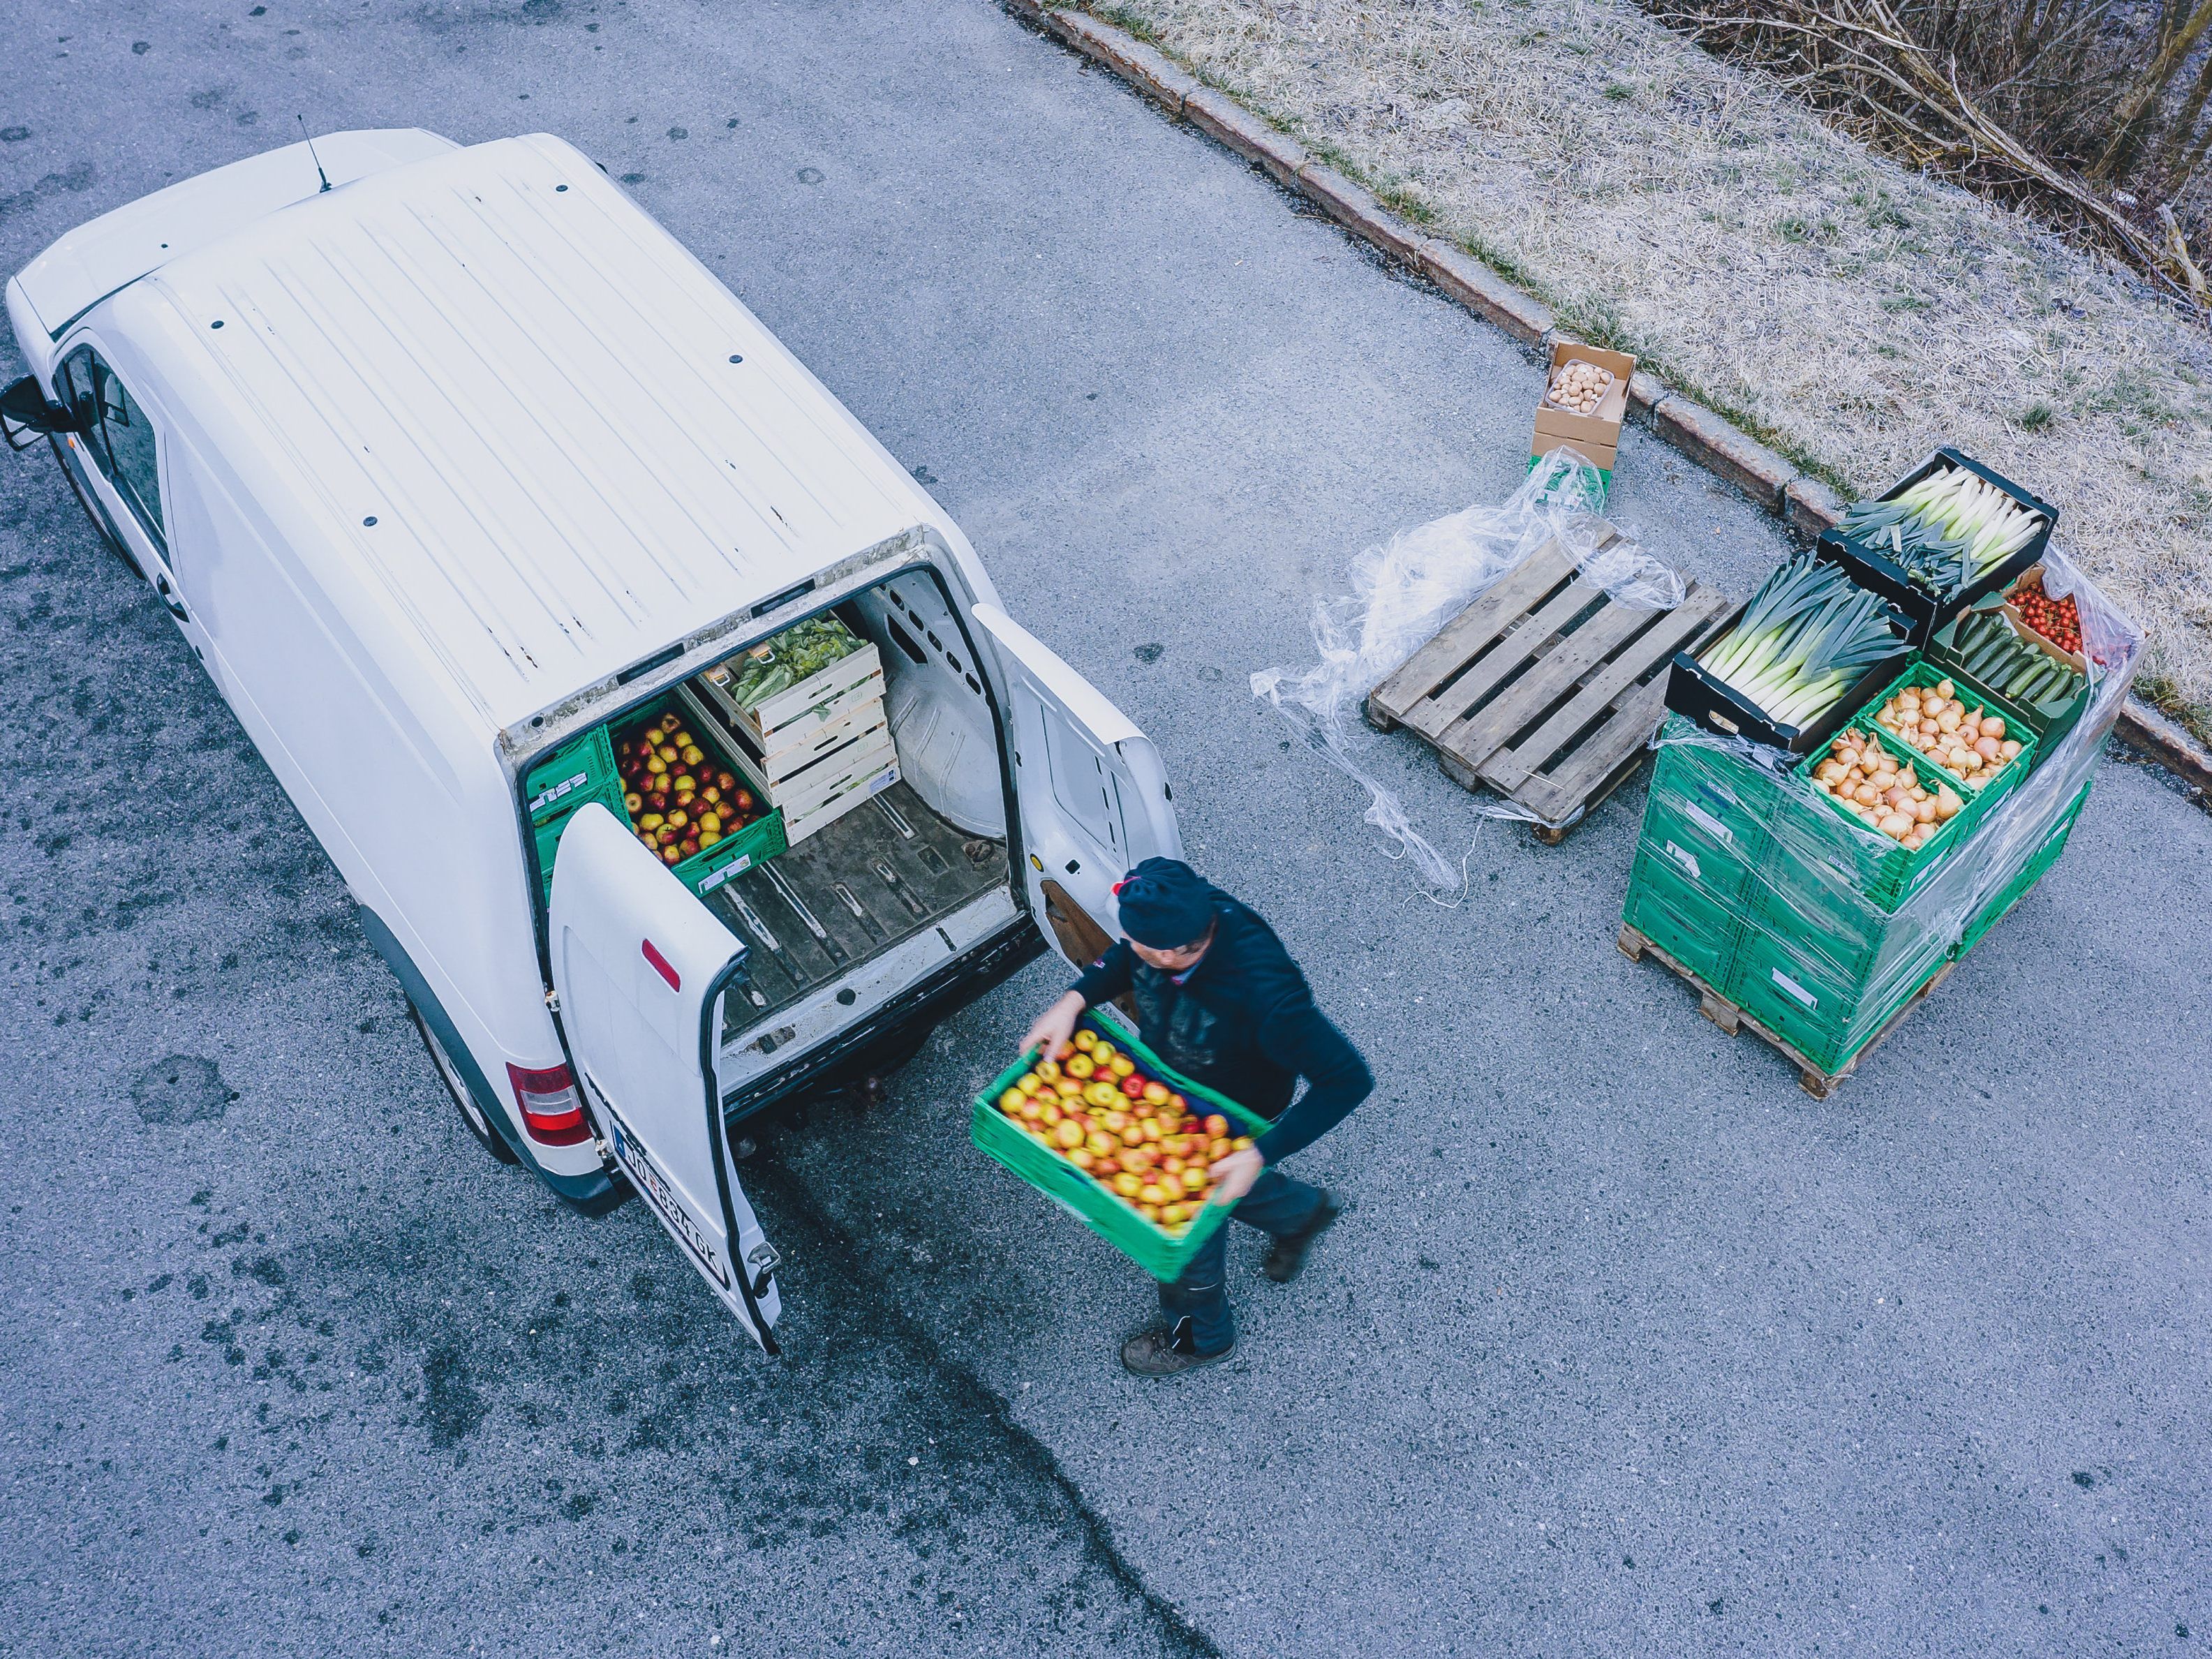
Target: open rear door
[
  {"x": 1093, "y": 795},
  {"x": 640, "y": 967}
]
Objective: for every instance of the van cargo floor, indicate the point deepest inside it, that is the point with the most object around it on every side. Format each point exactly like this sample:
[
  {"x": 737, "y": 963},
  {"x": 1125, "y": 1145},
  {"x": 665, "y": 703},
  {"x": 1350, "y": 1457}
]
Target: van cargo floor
[{"x": 882, "y": 872}]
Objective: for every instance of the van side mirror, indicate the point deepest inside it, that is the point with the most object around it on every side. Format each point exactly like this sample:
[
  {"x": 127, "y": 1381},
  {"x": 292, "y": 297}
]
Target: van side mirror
[{"x": 26, "y": 415}]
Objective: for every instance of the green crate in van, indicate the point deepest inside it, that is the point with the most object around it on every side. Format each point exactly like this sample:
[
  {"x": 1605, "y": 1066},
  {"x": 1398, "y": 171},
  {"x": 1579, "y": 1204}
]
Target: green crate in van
[
  {"x": 1669, "y": 906},
  {"x": 741, "y": 849},
  {"x": 1160, "y": 1253},
  {"x": 573, "y": 774},
  {"x": 703, "y": 872}
]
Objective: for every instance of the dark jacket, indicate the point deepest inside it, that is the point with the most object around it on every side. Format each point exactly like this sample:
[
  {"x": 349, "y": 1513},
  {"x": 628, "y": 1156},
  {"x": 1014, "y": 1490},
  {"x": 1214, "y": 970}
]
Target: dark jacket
[{"x": 1244, "y": 1022}]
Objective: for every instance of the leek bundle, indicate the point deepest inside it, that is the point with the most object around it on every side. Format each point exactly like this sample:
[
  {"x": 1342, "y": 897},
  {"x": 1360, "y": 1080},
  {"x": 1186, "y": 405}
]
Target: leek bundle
[
  {"x": 1945, "y": 530},
  {"x": 1805, "y": 639}
]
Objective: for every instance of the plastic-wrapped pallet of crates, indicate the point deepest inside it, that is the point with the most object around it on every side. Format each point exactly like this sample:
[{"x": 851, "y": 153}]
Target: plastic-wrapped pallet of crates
[{"x": 1822, "y": 929}]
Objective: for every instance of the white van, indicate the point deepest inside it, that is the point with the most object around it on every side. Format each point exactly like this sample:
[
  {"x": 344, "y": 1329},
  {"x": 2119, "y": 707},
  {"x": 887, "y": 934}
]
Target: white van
[{"x": 445, "y": 459}]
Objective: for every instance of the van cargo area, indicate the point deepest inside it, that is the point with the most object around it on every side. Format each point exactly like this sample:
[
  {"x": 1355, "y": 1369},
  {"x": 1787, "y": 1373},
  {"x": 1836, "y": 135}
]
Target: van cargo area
[
  {"x": 833, "y": 794},
  {"x": 886, "y": 870}
]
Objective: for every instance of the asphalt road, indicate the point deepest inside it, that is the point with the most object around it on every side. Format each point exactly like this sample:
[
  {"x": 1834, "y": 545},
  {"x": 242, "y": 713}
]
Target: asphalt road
[{"x": 1629, "y": 1346}]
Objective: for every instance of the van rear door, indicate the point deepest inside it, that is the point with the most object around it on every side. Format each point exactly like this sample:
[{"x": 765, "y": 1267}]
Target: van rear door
[
  {"x": 641, "y": 969},
  {"x": 1093, "y": 795}
]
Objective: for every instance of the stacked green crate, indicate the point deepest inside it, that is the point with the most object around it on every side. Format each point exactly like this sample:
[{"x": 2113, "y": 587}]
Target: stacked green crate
[
  {"x": 2045, "y": 855},
  {"x": 1704, "y": 836},
  {"x": 1836, "y": 945},
  {"x": 1788, "y": 908},
  {"x": 2050, "y": 722},
  {"x": 573, "y": 775}
]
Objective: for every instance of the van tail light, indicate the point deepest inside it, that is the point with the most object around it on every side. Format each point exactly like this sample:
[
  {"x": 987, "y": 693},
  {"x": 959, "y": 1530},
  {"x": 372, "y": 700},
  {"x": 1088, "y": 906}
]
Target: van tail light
[{"x": 552, "y": 1109}]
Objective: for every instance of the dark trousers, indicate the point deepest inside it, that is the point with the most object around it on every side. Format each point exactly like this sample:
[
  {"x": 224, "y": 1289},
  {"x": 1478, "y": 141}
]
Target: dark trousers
[{"x": 1197, "y": 1304}]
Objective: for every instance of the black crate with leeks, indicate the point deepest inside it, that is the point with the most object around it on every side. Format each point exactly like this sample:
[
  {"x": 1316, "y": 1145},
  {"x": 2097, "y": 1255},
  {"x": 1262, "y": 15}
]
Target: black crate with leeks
[
  {"x": 1950, "y": 532},
  {"x": 1799, "y": 657}
]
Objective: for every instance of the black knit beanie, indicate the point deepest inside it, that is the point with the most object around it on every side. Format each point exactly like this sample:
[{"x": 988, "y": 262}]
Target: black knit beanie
[{"x": 1165, "y": 904}]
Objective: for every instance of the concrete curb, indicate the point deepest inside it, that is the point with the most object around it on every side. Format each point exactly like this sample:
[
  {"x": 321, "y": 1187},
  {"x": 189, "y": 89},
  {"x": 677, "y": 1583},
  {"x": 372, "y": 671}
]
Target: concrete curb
[
  {"x": 1806, "y": 504},
  {"x": 1719, "y": 446},
  {"x": 2156, "y": 737},
  {"x": 1229, "y": 124},
  {"x": 1481, "y": 290}
]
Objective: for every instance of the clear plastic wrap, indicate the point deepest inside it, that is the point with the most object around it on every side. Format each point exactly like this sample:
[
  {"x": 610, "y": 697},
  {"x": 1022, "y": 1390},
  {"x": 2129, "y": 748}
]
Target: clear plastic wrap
[
  {"x": 1808, "y": 896},
  {"x": 1406, "y": 590}
]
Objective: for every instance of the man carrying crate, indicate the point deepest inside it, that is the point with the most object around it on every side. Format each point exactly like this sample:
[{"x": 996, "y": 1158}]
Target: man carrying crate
[{"x": 1219, "y": 999}]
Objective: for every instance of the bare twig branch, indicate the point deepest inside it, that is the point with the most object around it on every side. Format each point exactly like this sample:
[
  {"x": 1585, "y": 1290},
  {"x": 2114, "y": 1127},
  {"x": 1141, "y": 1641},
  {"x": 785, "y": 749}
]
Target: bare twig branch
[{"x": 1860, "y": 60}]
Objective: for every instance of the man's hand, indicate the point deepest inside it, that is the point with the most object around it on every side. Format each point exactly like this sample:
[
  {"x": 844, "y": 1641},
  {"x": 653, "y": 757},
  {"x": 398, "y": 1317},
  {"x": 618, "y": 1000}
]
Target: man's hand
[
  {"x": 1055, "y": 1026},
  {"x": 1234, "y": 1174}
]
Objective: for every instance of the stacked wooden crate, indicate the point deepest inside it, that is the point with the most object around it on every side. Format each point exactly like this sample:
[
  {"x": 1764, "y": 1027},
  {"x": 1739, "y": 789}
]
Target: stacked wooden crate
[{"x": 816, "y": 750}]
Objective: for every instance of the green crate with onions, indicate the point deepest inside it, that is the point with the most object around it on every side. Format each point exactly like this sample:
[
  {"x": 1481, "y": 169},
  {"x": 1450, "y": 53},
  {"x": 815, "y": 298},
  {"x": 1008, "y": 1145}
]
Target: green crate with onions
[
  {"x": 1922, "y": 676},
  {"x": 1824, "y": 859},
  {"x": 1872, "y": 864}
]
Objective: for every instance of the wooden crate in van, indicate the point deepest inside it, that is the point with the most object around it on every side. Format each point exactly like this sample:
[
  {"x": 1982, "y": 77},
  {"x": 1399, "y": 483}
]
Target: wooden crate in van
[
  {"x": 791, "y": 712},
  {"x": 860, "y": 782},
  {"x": 832, "y": 783},
  {"x": 824, "y": 728}
]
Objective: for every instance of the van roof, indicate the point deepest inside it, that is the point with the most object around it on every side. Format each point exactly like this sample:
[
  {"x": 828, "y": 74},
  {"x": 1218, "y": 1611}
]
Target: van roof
[{"x": 520, "y": 415}]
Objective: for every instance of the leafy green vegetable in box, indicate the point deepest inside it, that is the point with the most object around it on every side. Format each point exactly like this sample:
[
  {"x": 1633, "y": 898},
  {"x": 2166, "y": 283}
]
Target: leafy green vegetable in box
[{"x": 799, "y": 652}]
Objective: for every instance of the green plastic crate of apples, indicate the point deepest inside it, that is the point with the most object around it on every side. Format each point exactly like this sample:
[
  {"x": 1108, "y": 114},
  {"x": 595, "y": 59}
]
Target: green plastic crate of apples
[{"x": 1133, "y": 1134}]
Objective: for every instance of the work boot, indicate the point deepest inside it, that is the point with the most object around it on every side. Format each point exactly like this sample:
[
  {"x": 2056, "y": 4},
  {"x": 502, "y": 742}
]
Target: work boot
[
  {"x": 1286, "y": 1257},
  {"x": 1167, "y": 1353}
]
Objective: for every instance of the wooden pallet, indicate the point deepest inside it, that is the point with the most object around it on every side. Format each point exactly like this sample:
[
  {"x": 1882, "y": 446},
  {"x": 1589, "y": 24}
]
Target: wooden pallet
[
  {"x": 1730, "y": 1018},
  {"x": 1545, "y": 688}
]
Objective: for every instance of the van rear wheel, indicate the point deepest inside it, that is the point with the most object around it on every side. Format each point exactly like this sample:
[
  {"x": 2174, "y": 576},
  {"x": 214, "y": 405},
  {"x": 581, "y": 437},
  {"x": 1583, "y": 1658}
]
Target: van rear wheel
[{"x": 480, "y": 1126}]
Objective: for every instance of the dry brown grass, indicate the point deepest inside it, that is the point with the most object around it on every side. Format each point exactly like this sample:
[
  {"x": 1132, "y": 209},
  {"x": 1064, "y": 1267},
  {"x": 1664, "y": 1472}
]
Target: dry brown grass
[{"x": 1853, "y": 313}]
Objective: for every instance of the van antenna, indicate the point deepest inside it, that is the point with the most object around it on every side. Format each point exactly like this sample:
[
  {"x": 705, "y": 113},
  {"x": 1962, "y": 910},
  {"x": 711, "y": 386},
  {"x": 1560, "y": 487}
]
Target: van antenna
[{"x": 312, "y": 156}]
